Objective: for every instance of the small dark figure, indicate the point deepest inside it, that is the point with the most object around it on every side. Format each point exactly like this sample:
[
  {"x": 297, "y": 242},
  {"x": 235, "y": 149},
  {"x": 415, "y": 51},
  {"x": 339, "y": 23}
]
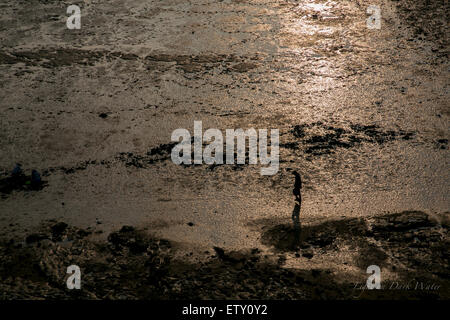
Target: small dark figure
[
  {"x": 35, "y": 179},
  {"x": 17, "y": 178},
  {"x": 17, "y": 171},
  {"x": 297, "y": 187}
]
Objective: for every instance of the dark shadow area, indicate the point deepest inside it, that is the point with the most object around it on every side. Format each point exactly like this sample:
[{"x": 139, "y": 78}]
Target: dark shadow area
[
  {"x": 413, "y": 241},
  {"x": 132, "y": 264}
]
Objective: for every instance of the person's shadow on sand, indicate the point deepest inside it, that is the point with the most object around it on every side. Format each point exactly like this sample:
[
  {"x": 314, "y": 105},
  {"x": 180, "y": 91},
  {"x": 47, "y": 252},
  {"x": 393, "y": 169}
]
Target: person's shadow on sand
[
  {"x": 296, "y": 217},
  {"x": 296, "y": 223}
]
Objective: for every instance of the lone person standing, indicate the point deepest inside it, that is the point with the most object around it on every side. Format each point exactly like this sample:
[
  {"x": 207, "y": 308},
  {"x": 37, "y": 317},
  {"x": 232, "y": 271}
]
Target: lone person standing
[{"x": 297, "y": 187}]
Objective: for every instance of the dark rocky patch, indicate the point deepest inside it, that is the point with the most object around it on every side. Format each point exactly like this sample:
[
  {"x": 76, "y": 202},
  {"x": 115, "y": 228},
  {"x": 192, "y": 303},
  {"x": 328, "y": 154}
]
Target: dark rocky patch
[
  {"x": 159, "y": 153},
  {"x": 58, "y": 230},
  {"x": 163, "y": 150},
  {"x": 334, "y": 138},
  {"x": 61, "y": 57},
  {"x": 129, "y": 237}
]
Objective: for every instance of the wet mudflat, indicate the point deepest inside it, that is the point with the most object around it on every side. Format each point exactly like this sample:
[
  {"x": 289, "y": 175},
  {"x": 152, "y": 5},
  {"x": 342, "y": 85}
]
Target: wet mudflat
[{"x": 362, "y": 114}]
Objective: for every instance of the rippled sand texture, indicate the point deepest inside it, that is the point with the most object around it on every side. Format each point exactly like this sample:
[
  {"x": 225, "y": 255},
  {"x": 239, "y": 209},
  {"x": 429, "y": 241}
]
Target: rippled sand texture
[{"x": 363, "y": 114}]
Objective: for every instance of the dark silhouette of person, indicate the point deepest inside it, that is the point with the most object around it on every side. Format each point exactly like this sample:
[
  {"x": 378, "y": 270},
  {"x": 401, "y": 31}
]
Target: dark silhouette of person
[
  {"x": 17, "y": 171},
  {"x": 35, "y": 179},
  {"x": 297, "y": 187}
]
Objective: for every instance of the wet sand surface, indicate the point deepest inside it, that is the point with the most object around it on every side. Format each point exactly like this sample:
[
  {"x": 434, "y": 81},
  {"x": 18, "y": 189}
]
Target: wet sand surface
[{"x": 363, "y": 116}]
